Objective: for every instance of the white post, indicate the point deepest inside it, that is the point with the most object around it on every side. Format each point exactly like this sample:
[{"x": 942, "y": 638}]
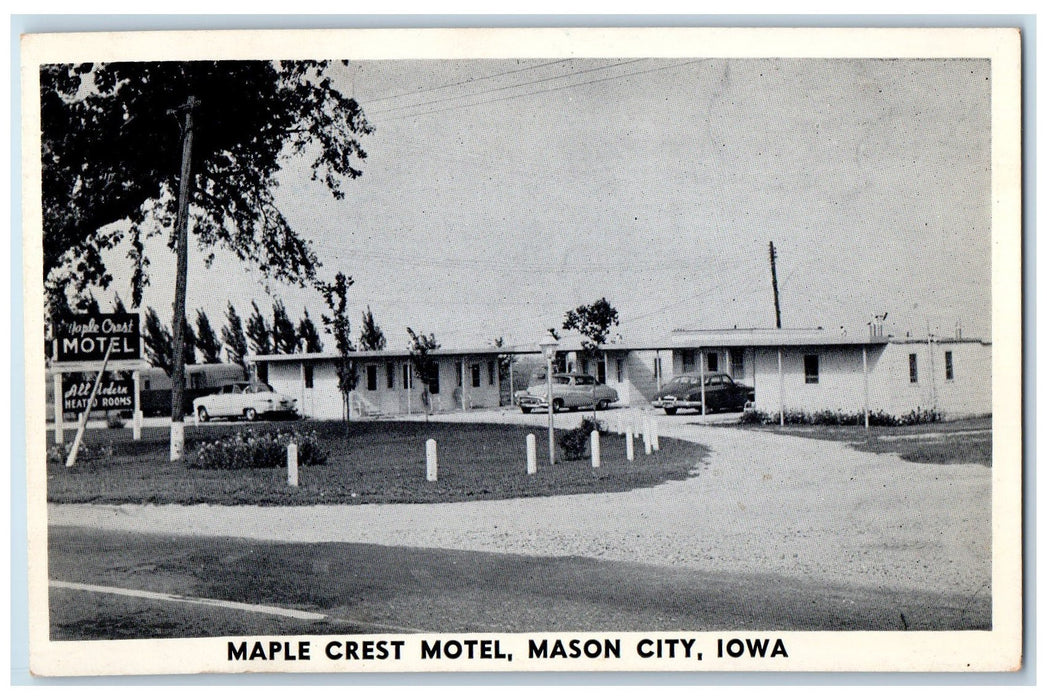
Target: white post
[
  {"x": 430, "y": 460},
  {"x": 59, "y": 410},
  {"x": 532, "y": 454},
  {"x": 594, "y": 448},
  {"x": 136, "y": 417},
  {"x": 292, "y": 465},
  {"x": 636, "y": 423},
  {"x": 654, "y": 434},
  {"x": 647, "y": 447},
  {"x": 629, "y": 452}
]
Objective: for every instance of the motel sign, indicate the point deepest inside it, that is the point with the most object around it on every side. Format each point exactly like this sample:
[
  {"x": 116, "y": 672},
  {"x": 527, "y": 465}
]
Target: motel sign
[{"x": 86, "y": 338}]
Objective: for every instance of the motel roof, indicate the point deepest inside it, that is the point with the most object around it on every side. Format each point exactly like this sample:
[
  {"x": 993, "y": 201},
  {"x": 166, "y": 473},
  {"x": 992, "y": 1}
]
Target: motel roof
[
  {"x": 771, "y": 337},
  {"x": 379, "y": 354}
]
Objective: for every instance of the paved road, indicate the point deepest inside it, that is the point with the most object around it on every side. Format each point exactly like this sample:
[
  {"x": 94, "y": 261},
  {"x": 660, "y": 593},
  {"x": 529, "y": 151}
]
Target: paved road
[{"x": 764, "y": 506}]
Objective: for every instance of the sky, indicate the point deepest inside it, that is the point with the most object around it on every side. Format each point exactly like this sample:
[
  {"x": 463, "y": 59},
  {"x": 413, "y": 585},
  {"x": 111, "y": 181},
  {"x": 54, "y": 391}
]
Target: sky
[{"x": 499, "y": 194}]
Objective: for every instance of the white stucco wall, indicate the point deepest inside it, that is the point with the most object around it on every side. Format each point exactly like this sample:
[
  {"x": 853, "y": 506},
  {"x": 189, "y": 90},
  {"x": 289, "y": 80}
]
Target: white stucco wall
[{"x": 324, "y": 401}]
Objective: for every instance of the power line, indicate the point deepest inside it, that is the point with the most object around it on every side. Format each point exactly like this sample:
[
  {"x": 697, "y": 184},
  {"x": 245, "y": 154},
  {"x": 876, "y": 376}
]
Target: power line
[
  {"x": 499, "y": 89},
  {"x": 466, "y": 81},
  {"x": 540, "y": 92}
]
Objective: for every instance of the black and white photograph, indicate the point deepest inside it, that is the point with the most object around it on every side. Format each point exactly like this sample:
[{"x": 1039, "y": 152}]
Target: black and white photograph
[{"x": 523, "y": 350}]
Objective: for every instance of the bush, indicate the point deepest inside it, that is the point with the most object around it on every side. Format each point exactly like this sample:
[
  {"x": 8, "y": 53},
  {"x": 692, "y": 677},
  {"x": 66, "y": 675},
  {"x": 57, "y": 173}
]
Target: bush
[
  {"x": 248, "y": 449},
  {"x": 113, "y": 420},
  {"x": 575, "y": 443},
  {"x": 58, "y": 454},
  {"x": 828, "y": 417}
]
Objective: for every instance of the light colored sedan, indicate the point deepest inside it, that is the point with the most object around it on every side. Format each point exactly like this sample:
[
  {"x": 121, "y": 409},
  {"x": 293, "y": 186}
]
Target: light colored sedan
[
  {"x": 247, "y": 400},
  {"x": 570, "y": 391}
]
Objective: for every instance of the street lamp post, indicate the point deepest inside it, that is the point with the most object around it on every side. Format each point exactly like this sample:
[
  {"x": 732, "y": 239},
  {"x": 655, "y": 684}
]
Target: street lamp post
[{"x": 548, "y": 346}]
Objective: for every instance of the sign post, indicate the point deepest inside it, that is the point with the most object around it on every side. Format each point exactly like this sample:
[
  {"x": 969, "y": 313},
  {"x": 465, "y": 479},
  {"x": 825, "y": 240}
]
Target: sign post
[{"x": 59, "y": 411}]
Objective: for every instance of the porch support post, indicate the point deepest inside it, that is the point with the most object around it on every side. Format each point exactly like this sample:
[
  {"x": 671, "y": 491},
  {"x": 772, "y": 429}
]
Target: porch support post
[
  {"x": 781, "y": 390},
  {"x": 865, "y": 379},
  {"x": 701, "y": 375}
]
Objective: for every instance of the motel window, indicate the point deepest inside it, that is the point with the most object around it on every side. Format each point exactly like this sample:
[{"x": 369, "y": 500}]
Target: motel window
[
  {"x": 657, "y": 369},
  {"x": 619, "y": 369},
  {"x": 307, "y": 376},
  {"x": 490, "y": 372},
  {"x": 810, "y": 369},
  {"x": 458, "y": 372},
  {"x": 407, "y": 376},
  {"x": 914, "y": 375},
  {"x": 434, "y": 385},
  {"x": 475, "y": 371},
  {"x": 263, "y": 373},
  {"x": 585, "y": 366},
  {"x": 737, "y": 363},
  {"x": 712, "y": 362},
  {"x": 390, "y": 375},
  {"x": 145, "y": 384},
  {"x": 372, "y": 378},
  {"x": 688, "y": 360},
  {"x": 948, "y": 366},
  {"x": 601, "y": 371}
]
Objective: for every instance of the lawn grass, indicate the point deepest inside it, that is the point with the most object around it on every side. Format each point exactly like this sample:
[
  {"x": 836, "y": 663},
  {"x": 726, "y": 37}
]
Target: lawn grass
[
  {"x": 376, "y": 462},
  {"x": 966, "y": 441}
]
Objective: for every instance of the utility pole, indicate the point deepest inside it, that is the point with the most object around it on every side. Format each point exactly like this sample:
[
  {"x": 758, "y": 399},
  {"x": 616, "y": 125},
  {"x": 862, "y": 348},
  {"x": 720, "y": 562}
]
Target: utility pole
[
  {"x": 182, "y": 247},
  {"x": 774, "y": 283}
]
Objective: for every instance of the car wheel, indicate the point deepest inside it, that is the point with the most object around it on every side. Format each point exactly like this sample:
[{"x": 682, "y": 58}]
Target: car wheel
[
  {"x": 203, "y": 415},
  {"x": 602, "y": 404},
  {"x": 525, "y": 409},
  {"x": 250, "y": 414},
  {"x": 670, "y": 411},
  {"x": 557, "y": 405}
]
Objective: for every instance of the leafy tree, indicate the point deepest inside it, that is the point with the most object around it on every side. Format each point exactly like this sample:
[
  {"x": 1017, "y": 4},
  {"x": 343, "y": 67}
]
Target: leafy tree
[
  {"x": 206, "y": 340},
  {"x": 111, "y": 147},
  {"x": 594, "y": 322},
  {"x": 258, "y": 333},
  {"x": 425, "y": 367},
  {"x": 158, "y": 344},
  {"x": 337, "y": 324},
  {"x": 284, "y": 338},
  {"x": 233, "y": 337},
  {"x": 371, "y": 336},
  {"x": 118, "y": 305},
  {"x": 308, "y": 337}
]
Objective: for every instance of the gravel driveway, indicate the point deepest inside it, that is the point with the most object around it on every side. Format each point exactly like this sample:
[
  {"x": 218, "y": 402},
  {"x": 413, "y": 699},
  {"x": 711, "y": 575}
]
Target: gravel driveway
[{"x": 763, "y": 503}]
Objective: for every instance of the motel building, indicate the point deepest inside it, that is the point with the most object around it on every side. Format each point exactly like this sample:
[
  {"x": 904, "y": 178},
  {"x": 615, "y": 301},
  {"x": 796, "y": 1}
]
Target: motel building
[
  {"x": 815, "y": 369},
  {"x": 790, "y": 369},
  {"x": 386, "y": 382}
]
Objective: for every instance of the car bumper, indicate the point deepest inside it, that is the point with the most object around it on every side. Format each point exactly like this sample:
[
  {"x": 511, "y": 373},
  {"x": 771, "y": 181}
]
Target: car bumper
[
  {"x": 532, "y": 402},
  {"x": 675, "y": 403}
]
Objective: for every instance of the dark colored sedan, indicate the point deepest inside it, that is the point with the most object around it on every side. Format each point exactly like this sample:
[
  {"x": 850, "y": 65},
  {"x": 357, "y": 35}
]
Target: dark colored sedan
[{"x": 721, "y": 394}]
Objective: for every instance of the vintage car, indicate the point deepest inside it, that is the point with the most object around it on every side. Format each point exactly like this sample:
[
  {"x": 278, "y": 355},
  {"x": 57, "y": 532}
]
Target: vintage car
[
  {"x": 721, "y": 393},
  {"x": 247, "y": 400},
  {"x": 570, "y": 391}
]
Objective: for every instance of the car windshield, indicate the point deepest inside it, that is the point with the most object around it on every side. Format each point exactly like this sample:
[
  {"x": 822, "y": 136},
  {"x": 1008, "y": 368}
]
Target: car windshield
[
  {"x": 683, "y": 382},
  {"x": 561, "y": 380}
]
